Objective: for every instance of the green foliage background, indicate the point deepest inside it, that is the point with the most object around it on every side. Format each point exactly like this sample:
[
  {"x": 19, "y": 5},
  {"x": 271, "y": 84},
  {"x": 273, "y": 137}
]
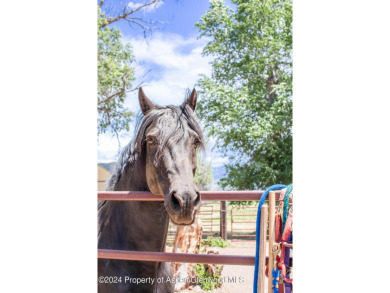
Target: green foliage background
[
  {"x": 204, "y": 174},
  {"x": 247, "y": 103},
  {"x": 115, "y": 74}
]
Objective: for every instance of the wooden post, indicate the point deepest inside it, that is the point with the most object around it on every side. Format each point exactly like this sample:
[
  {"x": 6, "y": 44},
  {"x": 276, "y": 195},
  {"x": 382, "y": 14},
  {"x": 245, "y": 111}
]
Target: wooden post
[
  {"x": 262, "y": 249},
  {"x": 271, "y": 239},
  {"x": 222, "y": 221}
]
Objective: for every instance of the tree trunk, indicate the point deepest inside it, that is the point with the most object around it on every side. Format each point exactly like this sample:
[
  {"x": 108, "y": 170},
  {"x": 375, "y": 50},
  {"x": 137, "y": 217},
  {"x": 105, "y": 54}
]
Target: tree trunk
[{"x": 187, "y": 241}]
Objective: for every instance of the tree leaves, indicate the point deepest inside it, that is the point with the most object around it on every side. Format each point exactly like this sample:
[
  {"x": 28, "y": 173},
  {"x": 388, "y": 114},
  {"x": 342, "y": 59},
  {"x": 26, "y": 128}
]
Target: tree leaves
[
  {"x": 115, "y": 74},
  {"x": 204, "y": 174},
  {"x": 247, "y": 103}
]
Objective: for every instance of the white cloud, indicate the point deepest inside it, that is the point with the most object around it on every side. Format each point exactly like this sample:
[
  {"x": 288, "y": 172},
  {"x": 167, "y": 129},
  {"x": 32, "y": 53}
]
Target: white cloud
[
  {"x": 135, "y": 5},
  {"x": 217, "y": 160},
  {"x": 176, "y": 64},
  {"x": 109, "y": 147}
]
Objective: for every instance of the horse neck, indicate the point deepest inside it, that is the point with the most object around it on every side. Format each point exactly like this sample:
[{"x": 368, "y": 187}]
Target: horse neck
[{"x": 136, "y": 225}]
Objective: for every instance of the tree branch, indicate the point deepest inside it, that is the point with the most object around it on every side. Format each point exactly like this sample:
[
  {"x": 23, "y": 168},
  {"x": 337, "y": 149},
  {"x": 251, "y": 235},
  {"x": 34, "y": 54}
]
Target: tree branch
[
  {"x": 118, "y": 93},
  {"x": 121, "y": 91},
  {"x": 111, "y": 97},
  {"x": 137, "y": 87},
  {"x": 101, "y": 3},
  {"x": 126, "y": 14},
  {"x": 144, "y": 27},
  {"x": 272, "y": 80}
]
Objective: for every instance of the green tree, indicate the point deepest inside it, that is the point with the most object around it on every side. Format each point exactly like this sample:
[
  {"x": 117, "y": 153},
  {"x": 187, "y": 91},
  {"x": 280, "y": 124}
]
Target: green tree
[
  {"x": 247, "y": 103},
  {"x": 115, "y": 63},
  {"x": 204, "y": 174},
  {"x": 115, "y": 74}
]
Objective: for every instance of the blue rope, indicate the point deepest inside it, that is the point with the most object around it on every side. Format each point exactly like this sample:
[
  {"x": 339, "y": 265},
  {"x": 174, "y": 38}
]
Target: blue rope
[
  {"x": 261, "y": 202},
  {"x": 275, "y": 281}
]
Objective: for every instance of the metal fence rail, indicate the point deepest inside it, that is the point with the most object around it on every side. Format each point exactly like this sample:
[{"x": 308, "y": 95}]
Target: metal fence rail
[
  {"x": 178, "y": 257},
  {"x": 206, "y": 212},
  {"x": 243, "y": 230},
  {"x": 205, "y": 195}
]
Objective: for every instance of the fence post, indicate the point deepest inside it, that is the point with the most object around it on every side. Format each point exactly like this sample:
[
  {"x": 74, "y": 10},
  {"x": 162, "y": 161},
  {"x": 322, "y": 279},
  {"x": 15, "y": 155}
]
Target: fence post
[
  {"x": 262, "y": 250},
  {"x": 222, "y": 221},
  {"x": 271, "y": 238}
]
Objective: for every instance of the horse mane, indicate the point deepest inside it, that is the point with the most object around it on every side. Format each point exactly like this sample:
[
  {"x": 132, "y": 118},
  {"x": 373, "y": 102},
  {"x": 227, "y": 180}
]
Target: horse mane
[{"x": 135, "y": 150}]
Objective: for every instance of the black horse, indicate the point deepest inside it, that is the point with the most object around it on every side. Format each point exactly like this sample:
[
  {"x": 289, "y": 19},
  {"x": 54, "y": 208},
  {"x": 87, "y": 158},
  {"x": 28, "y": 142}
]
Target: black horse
[{"x": 161, "y": 159}]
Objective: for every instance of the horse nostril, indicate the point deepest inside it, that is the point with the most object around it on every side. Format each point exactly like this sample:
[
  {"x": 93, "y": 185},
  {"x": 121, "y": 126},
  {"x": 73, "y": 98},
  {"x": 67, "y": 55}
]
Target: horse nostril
[
  {"x": 175, "y": 202},
  {"x": 197, "y": 199}
]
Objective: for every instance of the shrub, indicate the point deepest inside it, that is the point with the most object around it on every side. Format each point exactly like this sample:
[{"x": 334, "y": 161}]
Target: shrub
[
  {"x": 214, "y": 242},
  {"x": 206, "y": 280}
]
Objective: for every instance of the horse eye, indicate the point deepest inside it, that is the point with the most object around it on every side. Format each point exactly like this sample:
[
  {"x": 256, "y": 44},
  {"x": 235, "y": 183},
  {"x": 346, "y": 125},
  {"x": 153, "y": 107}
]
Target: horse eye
[
  {"x": 196, "y": 143},
  {"x": 151, "y": 140}
]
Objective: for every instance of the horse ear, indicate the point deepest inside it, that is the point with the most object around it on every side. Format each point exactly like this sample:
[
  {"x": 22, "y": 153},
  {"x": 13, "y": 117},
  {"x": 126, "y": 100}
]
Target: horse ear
[
  {"x": 191, "y": 100},
  {"x": 144, "y": 102}
]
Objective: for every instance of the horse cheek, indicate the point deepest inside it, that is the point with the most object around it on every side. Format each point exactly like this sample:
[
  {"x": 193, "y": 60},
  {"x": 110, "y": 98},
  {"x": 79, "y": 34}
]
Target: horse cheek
[{"x": 152, "y": 179}]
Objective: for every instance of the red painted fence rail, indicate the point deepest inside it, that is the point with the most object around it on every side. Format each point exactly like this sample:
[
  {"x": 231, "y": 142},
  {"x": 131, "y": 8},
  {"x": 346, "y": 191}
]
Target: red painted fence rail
[
  {"x": 205, "y": 195},
  {"x": 178, "y": 257}
]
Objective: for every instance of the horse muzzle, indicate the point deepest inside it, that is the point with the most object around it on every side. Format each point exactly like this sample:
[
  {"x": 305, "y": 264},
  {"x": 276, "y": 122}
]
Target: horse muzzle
[{"x": 183, "y": 206}]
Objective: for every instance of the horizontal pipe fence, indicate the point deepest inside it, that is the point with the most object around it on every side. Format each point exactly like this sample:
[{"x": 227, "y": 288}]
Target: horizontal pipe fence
[
  {"x": 205, "y": 195},
  {"x": 179, "y": 257}
]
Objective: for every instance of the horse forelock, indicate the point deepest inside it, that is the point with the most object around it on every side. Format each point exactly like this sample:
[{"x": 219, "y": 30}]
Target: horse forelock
[{"x": 182, "y": 117}]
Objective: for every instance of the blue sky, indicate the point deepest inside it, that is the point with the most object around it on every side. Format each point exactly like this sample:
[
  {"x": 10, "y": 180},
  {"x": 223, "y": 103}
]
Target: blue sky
[
  {"x": 171, "y": 57},
  {"x": 177, "y": 17}
]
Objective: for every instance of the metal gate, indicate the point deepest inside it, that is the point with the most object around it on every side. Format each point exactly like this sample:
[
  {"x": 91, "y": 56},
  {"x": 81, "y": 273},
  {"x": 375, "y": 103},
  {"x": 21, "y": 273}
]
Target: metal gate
[{"x": 243, "y": 223}]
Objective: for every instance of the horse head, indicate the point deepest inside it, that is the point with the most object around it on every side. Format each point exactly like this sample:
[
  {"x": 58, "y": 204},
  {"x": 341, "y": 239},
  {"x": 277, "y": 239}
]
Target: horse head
[{"x": 169, "y": 143}]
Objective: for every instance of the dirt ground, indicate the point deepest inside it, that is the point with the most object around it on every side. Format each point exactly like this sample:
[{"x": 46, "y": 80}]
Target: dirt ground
[{"x": 233, "y": 274}]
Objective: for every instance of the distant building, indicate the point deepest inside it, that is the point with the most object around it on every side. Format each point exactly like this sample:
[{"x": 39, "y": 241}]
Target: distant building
[{"x": 104, "y": 172}]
